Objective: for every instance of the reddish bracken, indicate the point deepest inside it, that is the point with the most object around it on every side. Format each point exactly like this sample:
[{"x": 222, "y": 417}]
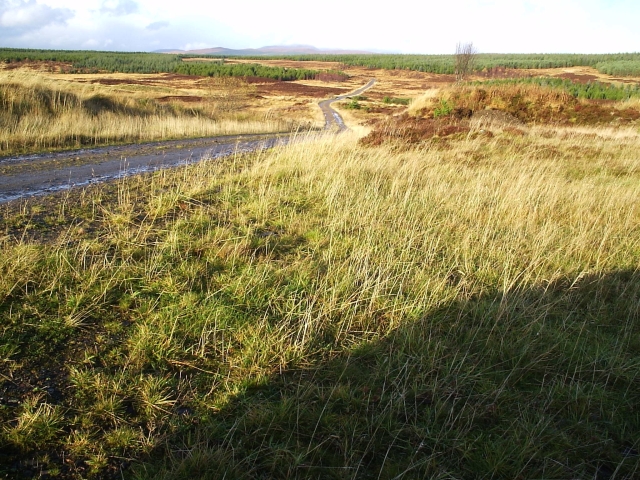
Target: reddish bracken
[{"x": 407, "y": 130}]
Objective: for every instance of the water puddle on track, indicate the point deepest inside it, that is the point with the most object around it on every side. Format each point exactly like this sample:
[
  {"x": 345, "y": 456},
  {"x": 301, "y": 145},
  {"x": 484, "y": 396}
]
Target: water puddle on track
[{"x": 43, "y": 174}]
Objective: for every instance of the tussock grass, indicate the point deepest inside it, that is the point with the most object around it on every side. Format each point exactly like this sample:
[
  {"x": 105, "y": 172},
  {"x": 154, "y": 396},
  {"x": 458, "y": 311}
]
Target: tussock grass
[
  {"x": 423, "y": 101},
  {"x": 40, "y": 113},
  {"x": 467, "y": 309},
  {"x": 630, "y": 103},
  {"x": 515, "y": 98}
]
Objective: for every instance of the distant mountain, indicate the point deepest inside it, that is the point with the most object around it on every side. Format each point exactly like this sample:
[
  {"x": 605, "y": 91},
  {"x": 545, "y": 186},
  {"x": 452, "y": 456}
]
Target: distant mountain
[{"x": 269, "y": 50}]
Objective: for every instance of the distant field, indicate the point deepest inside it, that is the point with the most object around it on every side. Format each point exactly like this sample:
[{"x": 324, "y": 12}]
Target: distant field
[
  {"x": 43, "y": 111},
  {"x": 112, "y": 62}
]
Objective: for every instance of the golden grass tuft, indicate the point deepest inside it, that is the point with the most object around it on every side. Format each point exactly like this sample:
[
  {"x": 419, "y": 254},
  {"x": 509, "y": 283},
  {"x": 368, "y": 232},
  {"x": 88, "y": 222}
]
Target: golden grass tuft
[{"x": 423, "y": 101}]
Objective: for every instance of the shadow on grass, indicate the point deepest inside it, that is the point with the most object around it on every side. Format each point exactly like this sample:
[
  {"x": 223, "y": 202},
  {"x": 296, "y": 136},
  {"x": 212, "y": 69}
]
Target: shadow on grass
[{"x": 540, "y": 383}]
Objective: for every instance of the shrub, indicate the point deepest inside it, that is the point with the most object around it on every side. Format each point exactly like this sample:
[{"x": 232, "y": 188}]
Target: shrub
[
  {"x": 396, "y": 101},
  {"x": 444, "y": 109},
  {"x": 353, "y": 105}
]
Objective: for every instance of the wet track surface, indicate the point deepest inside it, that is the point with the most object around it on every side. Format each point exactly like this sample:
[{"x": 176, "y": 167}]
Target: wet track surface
[
  {"x": 40, "y": 174},
  {"x": 26, "y": 176}
]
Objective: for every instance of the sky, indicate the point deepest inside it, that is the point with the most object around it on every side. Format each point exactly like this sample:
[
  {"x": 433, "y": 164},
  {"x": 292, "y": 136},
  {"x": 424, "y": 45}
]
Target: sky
[{"x": 402, "y": 26}]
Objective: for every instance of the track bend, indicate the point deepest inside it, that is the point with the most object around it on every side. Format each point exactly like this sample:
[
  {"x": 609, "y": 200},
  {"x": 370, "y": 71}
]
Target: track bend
[
  {"x": 331, "y": 117},
  {"x": 30, "y": 175}
]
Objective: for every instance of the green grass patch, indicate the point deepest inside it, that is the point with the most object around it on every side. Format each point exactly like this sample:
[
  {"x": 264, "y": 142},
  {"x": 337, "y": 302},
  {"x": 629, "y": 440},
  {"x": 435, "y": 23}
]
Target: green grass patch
[
  {"x": 396, "y": 101},
  {"x": 443, "y": 109},
  {"x": 353, "y": 105}
]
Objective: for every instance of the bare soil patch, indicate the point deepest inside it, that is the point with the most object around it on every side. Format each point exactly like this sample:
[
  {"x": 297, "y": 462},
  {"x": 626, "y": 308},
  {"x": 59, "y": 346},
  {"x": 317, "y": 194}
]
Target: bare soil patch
[
  {"x": 578, "y": 78},
  {"x": 297, "y": 89},
  {"x": 181, "y": 98}
]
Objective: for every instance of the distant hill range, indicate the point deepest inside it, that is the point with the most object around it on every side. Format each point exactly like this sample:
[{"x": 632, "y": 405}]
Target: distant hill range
[{"x": 270, "y": 50}]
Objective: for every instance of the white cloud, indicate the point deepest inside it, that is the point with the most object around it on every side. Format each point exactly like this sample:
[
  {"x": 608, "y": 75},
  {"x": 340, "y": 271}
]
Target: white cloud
[
  {"x": 18, "y": 17},
  {"x": 157, "y": 25},
  {"x": 419, "y": 27},
  {"x": 119, "y": 7}
]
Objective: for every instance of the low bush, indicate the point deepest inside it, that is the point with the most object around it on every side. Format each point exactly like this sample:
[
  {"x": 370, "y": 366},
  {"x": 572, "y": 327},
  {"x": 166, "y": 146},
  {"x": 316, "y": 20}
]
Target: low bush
[
  {"x": 353, "y": 105},
  {"x": 396, "y": 101},
  {"x": 443, "y": 109}
]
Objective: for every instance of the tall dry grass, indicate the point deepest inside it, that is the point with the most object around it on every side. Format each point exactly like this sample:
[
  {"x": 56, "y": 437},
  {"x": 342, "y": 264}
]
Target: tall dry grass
[
  {"x": 425, "y": 100},
  {"x": 631, "y": 103},
  {"x": 40, "y": 113}
]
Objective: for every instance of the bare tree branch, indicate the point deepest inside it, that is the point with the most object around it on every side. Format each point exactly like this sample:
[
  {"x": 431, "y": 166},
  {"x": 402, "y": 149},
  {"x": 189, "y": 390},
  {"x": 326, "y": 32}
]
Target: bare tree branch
[{"x": 464, "y": 59}]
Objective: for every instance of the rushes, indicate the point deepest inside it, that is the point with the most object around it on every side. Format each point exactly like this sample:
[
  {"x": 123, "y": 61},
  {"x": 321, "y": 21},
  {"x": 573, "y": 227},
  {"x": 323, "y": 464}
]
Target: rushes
[{"x": 37, "y": 425}]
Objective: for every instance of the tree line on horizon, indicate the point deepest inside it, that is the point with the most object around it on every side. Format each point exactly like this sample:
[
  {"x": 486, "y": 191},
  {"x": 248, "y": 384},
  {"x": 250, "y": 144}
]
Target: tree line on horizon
[
  {"x": 624, "y": 64},
  {"x": 83, "y": 61},
  {"x": 139, "y": 62}
]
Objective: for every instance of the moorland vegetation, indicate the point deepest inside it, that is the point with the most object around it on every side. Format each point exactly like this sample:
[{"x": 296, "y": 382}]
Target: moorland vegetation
[
  {"x": 454, "y": 295},
  {"x": 94, "y": 61},
  {"x": 466, "y": 308},
  {"x": 208, "y": 69},
  {"x": 622, "y": 64},
  {"x": 587, "y": 90},
  {"x": 125, "y": 62},
  {"x": 39, "y": 113}
]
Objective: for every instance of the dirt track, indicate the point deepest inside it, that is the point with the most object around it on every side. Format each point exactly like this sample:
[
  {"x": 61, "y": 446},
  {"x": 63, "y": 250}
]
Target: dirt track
[
  {"x": 29, "y": 175},
  {"x": 331, "y": 117}
]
